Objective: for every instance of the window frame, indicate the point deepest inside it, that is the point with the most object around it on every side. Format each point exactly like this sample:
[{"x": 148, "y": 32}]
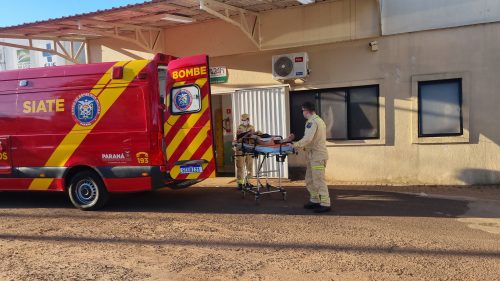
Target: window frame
[
  {"x": 348, "y": 109},
  {"x": 318, "y": 97},
  {"x": 186, "y": 112},
  {"x": 460, "y": 103},
  {"x": 466, "y": 96},
  {"x": 163, "y": 99}
]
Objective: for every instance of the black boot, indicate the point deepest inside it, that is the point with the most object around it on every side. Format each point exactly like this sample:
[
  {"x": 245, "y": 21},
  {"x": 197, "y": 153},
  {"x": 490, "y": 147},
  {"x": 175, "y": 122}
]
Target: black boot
[
  {"x": 322, "y": 209},
  {"x": 240, "y": 186},
  {"x": 310, "y": 205}
]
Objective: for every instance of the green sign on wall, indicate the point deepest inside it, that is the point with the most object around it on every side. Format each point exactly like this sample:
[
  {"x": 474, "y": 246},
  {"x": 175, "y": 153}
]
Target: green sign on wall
[{"x": 218, "y": 74}]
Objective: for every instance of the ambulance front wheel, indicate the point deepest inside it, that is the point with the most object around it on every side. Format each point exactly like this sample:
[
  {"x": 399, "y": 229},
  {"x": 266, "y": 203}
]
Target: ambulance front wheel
[{"x": 87, "y": 191}]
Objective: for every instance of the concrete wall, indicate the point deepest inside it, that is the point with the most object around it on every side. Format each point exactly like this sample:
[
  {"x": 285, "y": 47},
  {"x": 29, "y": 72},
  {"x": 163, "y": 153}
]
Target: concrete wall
[
  {"x": 299, "y": 26},
  {"x": 106, "y": 49},
  {"x": 344, "y": 59},
  {"x": 320, "y": 23},
  {"x": 396, "y": 158},
  {"x": 399, "y": 16}
]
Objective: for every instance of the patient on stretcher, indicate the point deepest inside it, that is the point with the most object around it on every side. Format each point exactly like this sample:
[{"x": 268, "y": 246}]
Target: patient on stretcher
[
  {"x": 262, "y": 139},
  {"x": 250, "y": 142}
]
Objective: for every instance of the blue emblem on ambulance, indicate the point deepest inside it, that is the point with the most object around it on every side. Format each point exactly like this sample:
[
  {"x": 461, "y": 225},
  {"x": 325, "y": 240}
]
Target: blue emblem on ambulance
[
  {"x": 86, "y": 109},
  {"x": 183, "y": 100}
]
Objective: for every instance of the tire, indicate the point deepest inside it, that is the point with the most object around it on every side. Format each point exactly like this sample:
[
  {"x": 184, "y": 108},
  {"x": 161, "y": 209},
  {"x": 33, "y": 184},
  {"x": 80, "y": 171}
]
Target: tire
[{"x": 87, "y": 191}]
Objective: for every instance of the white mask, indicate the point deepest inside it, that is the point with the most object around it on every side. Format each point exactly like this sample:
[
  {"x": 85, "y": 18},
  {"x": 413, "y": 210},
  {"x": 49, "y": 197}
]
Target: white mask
[{"x": 245, "y": 123}]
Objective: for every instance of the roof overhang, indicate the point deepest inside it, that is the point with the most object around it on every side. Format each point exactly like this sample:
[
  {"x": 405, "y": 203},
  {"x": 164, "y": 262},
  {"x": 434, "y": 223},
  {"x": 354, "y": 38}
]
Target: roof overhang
[{"x": 142, "y": 24}]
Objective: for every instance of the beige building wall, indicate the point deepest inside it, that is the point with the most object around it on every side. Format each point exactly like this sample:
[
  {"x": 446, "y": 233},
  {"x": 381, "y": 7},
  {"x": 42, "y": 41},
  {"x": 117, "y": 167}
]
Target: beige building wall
[
  {"x": 396, "y": 158},
  {"x": 321, "y": 23},
  {"x": 336, "y": 36},
  {"x": 107, "y": 49}
]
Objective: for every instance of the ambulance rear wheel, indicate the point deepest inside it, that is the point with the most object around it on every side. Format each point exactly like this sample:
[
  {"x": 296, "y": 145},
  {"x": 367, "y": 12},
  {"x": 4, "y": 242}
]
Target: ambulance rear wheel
[{"x": 87, "y": 191}]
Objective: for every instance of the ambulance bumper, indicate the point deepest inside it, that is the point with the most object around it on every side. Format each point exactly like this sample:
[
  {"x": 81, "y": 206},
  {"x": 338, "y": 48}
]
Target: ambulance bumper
[{"x": 161, "y": 179}]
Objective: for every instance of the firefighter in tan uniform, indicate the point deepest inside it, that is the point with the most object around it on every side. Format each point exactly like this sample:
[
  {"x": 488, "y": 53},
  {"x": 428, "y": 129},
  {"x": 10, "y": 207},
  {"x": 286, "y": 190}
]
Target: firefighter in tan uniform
[
  {"x": 314, "y": 145},
  {"x": 244, "y": 161}
]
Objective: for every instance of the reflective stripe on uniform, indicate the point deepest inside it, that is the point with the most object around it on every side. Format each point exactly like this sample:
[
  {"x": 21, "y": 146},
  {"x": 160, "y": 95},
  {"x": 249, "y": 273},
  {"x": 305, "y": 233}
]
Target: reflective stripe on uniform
[
  {"x": 314, "y": 197},
  {"x": 321, "y": 167},
  {"x": 320, "y": 121},
  {"x": 325, "y": 200}
]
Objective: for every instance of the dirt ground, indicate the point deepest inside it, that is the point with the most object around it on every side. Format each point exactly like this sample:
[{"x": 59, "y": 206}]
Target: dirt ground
[{"x": 209, "y": 232}]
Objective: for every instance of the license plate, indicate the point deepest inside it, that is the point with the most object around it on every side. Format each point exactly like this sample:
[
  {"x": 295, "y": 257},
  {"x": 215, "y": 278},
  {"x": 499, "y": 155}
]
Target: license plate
[{"x": 191, "y": 169}]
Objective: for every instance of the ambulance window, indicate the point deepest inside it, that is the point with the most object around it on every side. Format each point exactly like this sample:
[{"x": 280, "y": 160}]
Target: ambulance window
[
  {"x": 185, "y": 99},
  {"x": 162, "y": 83}
]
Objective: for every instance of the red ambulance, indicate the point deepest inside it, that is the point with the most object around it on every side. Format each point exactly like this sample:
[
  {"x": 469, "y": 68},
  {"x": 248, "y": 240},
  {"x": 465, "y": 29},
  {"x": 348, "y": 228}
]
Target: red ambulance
[{"x": 94, "y": 129}]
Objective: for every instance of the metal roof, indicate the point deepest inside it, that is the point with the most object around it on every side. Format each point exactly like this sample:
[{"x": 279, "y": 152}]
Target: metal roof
[{"x": 147, "y": 15}]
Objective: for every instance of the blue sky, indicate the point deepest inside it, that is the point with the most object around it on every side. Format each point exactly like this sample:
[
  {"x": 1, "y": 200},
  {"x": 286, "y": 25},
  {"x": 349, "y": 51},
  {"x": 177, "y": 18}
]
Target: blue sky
[{"x": 14, "y": 12}]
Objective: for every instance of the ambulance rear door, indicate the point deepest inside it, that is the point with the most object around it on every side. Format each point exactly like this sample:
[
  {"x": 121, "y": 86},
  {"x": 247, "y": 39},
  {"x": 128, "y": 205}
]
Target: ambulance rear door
[{"x": 188, "y": 124}]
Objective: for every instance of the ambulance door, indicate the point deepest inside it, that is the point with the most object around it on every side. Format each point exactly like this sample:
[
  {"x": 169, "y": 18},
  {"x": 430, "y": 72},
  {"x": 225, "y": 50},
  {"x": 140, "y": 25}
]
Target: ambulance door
[
  {"x": 188, "y": 124},
  {"x": 5, "y": 156}
]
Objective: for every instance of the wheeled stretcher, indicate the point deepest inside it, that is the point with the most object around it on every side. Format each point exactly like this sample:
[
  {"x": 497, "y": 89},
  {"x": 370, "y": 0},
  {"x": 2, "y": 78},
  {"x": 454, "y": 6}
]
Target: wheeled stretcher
[{"x": 263, "y": 153}]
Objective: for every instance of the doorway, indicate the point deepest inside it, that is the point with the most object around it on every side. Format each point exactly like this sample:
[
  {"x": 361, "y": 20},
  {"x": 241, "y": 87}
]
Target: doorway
[
  {"x": 222, "y": 117},
  {"x": 269, "y": 113},
  {"x": 268, "y": 108}
]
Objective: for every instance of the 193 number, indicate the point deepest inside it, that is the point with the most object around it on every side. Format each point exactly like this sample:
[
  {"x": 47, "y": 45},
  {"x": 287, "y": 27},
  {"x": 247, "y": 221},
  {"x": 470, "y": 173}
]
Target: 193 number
[{"x": 143, "y": 160}]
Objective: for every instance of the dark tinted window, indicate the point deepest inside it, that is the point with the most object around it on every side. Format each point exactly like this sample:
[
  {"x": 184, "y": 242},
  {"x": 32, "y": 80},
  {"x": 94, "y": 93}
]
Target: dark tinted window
[
  {"x": 363, "y": 116},
  {"x": 349, "y": 113},
  {"x": 297, "y": 121},
  {"x": 439, "y": 108}
]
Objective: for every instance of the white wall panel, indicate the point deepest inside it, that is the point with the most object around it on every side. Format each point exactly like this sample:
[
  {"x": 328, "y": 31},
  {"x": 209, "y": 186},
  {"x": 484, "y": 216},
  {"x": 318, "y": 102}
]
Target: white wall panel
[{"x": 268, "y": 109}]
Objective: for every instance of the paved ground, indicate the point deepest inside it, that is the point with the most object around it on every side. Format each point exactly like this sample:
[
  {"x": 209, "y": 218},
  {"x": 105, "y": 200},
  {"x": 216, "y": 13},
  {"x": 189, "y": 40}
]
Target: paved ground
[{"x": 210, "y": 233}]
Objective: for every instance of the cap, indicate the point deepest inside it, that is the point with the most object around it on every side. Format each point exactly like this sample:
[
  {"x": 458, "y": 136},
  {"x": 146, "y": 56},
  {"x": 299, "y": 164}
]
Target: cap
[{"x": 245, "y": 116}]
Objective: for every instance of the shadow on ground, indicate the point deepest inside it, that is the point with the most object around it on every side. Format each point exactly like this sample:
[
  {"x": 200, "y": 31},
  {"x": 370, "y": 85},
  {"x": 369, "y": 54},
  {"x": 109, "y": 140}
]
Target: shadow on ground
[
  {"x": 225, "y": 200},
  {"x": 391, "y": 250}
]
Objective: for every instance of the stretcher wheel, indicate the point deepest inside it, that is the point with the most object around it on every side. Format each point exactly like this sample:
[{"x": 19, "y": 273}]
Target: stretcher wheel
[
  {"x": 257, "y": 199},
  {"x": 280, "y": 158}
]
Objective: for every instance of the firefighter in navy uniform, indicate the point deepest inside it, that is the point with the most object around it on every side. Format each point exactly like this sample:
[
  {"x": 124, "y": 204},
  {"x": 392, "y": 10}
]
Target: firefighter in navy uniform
[
  {"x": 244, "y": 161},
  {"x": 314, "y": 145}
]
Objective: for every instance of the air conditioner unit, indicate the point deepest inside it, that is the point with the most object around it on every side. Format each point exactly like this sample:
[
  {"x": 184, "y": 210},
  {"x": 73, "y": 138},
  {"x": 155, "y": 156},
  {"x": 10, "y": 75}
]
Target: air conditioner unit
[{"x": 290, "y": 66}]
